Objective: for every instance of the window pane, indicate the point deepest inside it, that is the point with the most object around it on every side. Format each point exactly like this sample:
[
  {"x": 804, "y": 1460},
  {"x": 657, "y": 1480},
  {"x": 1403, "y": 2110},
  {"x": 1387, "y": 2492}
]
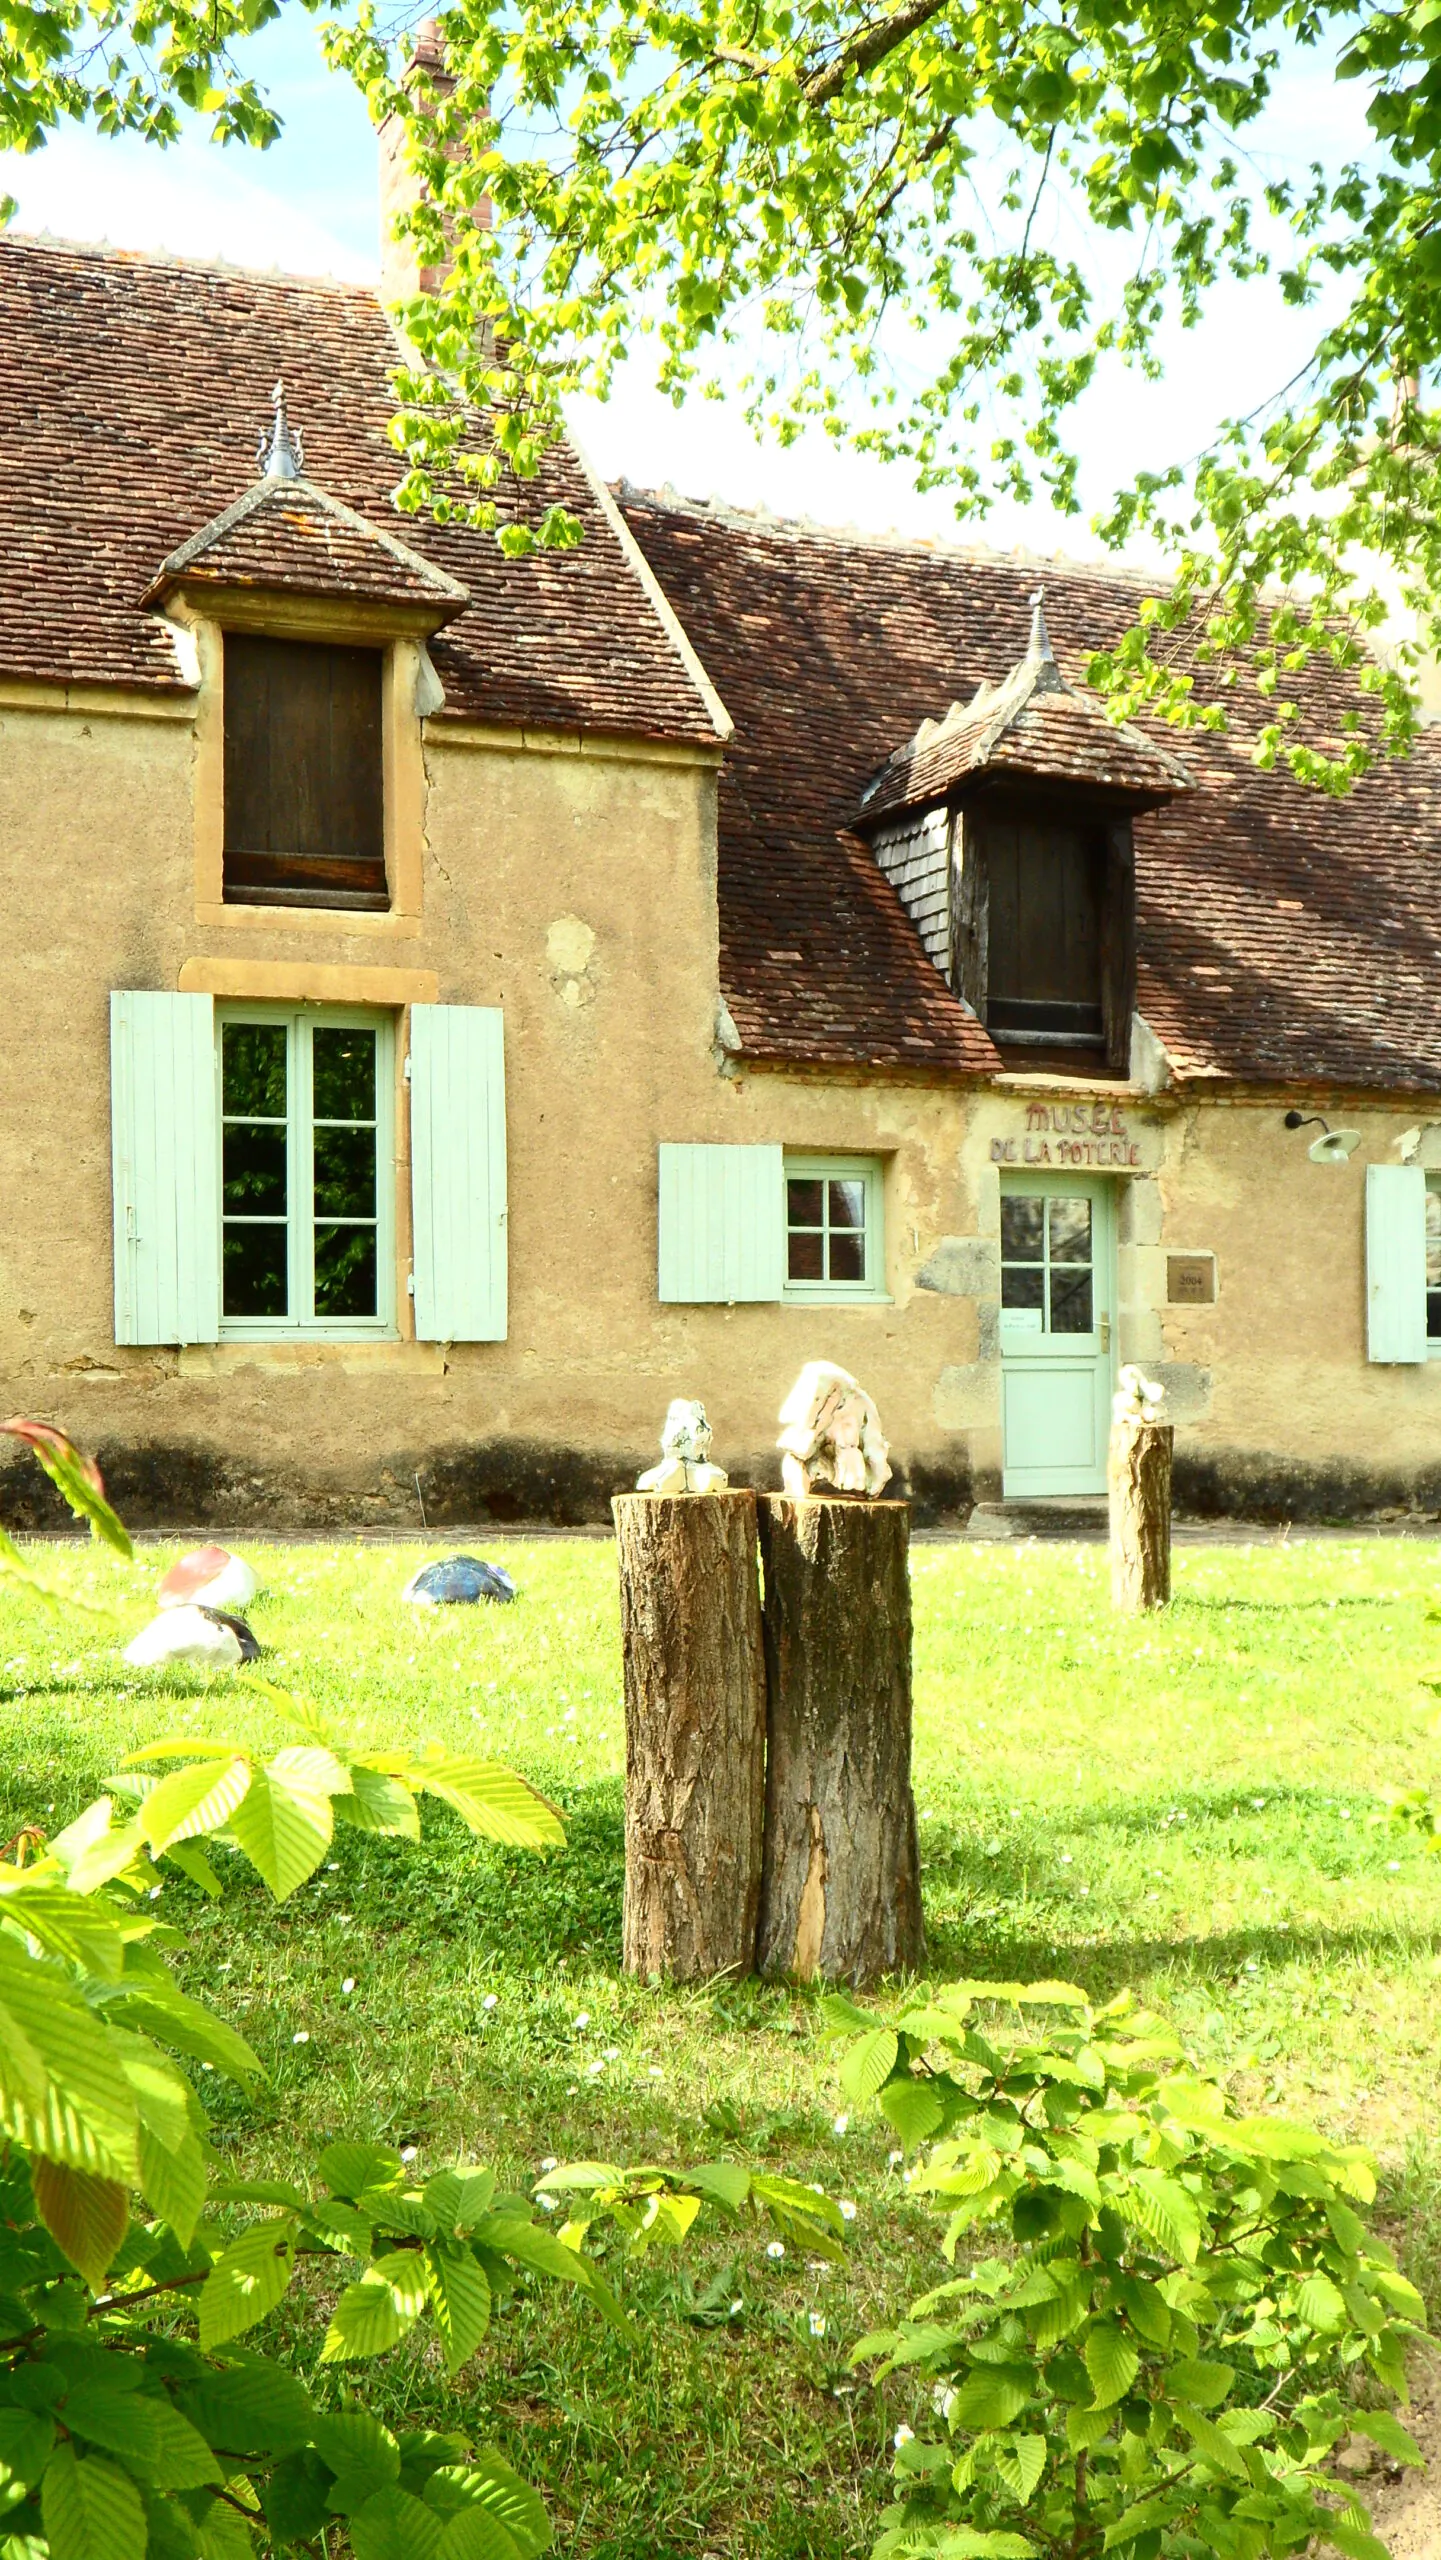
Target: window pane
[
  {"x": 1070, "y": 1230},
  {"x": 252, "y": 1070},
  {"x": 1433, "y": 1315},
  {"x": 255, "y": 1280},
  {"x": 848, "y": 1257},
  {"x": 1070, "y": 1301},
  {"x": 1022, "y": 1288},
  {"x": 1023, "y": 1227},
  {"x": 805, "y": 1204},
  {"x": 848, "y": 1204},
  {"x": 344, "y": 1074},
  {"x": 255, "y": 1166},
  {"x": 345, "y": 1271},
  {"x": 805, "y": 1256},
  {"x": 345, "y": 1173},
  {"x": 1433, "y": 1239}
]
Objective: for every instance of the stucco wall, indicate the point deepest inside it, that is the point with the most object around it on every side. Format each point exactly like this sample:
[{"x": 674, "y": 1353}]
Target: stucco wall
[{"x": 575, "y": 888}]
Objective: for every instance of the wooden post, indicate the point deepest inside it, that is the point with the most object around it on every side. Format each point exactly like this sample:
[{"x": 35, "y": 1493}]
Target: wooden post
[
  {"x": 695, "y": 1725},
  {"x": 1138, "y": 1485},
  {"x": 840, "y": 1889}
]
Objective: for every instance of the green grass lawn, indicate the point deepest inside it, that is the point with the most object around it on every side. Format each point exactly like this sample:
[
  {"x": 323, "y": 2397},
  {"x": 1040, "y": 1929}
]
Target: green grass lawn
[{"x": 1184, "y": 1805}]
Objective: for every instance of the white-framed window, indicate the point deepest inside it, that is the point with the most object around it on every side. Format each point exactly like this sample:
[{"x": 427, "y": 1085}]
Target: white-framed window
[
  {"x": 834, "y": 1227},
  {"x": 307, "y": 1192}
]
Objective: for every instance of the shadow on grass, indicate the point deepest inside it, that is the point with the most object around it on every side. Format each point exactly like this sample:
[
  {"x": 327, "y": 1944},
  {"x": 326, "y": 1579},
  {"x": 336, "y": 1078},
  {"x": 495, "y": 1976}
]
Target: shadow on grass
[
  {"x": 987, "y": 1948},
  {"x": 1229, "y": 1604}
]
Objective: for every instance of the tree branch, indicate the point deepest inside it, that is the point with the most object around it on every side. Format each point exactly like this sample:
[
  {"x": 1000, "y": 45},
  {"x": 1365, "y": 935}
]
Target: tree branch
[{"x": 869, "y": 48}]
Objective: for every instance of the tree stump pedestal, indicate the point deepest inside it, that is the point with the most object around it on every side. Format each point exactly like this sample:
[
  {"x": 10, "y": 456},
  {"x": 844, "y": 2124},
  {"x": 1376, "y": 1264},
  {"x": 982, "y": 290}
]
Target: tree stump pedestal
[
  {"x": 840, "y": 1890},
  {"x": 1138, "y": 1488},
  {"x": 695, "y": 1732}
]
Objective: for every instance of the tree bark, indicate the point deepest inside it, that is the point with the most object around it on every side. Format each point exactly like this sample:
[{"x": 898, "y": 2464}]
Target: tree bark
[
  {"x": 840, "y": 1888},
  {"x": 1138, "y": 1484},
  {"x": 695, "y": 1725}
]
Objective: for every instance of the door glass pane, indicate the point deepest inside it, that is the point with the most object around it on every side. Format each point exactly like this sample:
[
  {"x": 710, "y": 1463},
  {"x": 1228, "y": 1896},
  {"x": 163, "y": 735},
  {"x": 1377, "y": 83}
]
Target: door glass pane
[
  {"x": 1022, "y": 1288},
  {"x": 1070, "y": 1230},
  {"x": 1023, "y": 1227},
  {"x": 1070, "y": 1300},
  {"x": 255, "y": 1169}
]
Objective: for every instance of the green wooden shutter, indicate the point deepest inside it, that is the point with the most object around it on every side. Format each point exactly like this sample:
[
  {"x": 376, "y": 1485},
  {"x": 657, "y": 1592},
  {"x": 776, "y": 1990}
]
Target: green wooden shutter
[
  {"x": 1395, "y": 1262},
  {"x": 722, "y": 1224},
  {"x": 457, "y": 1171},
  {"x": 165, "y": 1161}
]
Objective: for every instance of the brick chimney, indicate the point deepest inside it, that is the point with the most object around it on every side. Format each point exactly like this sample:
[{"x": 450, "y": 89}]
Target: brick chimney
[{"x": 401, "y": 275}]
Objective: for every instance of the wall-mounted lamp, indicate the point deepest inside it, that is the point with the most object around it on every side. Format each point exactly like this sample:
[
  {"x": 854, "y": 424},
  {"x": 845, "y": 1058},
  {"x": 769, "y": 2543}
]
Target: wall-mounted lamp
[{"x": 1333, "y": 1146}]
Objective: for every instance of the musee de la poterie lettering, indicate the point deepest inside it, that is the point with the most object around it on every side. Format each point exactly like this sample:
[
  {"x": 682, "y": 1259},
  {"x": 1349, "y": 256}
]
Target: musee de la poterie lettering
[{"x": 1070, "y": 1133}]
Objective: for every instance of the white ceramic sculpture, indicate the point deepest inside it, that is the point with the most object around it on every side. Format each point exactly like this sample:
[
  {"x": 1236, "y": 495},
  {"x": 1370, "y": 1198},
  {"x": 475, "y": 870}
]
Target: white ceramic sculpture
[
  {"x": 684, "y": 1464},
  {"x": 210, "y": 1577},
  {"x": 188, "y": 1633},
  {"x": 831, "y": 1434},
  {"x": 1137, "y": 1398}
]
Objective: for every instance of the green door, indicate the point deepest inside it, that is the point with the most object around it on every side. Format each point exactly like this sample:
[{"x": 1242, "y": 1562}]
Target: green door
[{"x": 1056, "y": 1303}]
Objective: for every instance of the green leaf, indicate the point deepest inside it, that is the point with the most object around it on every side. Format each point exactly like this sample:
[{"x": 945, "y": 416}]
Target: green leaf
[
  {"x": 991, "y": 2396},
  {"x": 723, "y": 2180},
  {"x": 1151, "y": 2513},
  {"x": 393, "y": 2525},
  {"x": 86, "y": 2217},
  {"x": 489, "y": 2487},
  {"x": 376, "y": 2313},
  {"x": 546, "y": 2255},
  {"x": 348, "y": 2168},
  {"x": 156, "y": 2006},
  {"x": 311, "y": 1769},
  {"x": 60, "y": 2092},
  {"x": 192, "y": 1861},
  {"x": 379, "y": 1803},
  {"x": 460, "y": 2301},
  {"x": 90, "y": 2509},
  {"x": 1164, "y": 2210},
  {"x": 1210, "y": 2441},
  {"x": 1086, "y": 2428},
  {"x": 1112, "y": 2363},
  {"x": 361, "y": 2452},
  {"x": 294, "y": 2499},
  {"x": 26, "y": 2439},
  {"x": 964, "y": 2543},
  {"x": 252, "y": 2406},
  {"x": 246, "y": 2282},
  {"x": 915, "y": 2108},
  {"x": 1352, "y": 2538},
  {"x": 86, "y": 1933},
  {"x": 1385, "y": 2428},
  {"x": 1205, "y": 2386},
  {"x": 151, "y": 2438},
  {"x": 76, "y": 1477},
  {"x": 193, "y": 1801},
  {"x": 491, "y": 1800},
  {"x": 869, "y": 2064},
  {"x": 283, "y": 1829},
  {"x": 1020, "y": 2461},
  {"x": 1320, "y": 2304},
  {"x": 842, "y": 2016},
  {"x": 472, "y": 2533}
]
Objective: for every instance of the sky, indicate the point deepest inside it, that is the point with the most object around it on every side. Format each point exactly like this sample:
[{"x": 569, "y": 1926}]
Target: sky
[{"x": 309, "y": 205}]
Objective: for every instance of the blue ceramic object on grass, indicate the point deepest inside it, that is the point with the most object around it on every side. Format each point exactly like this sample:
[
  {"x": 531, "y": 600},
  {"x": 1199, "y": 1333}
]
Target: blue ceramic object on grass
[{"x": 458, "y": 1579}]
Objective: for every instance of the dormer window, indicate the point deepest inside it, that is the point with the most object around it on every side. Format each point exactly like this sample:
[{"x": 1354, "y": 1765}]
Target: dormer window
[
  {"x": 1006, "y": 831},
  {"x": 304, "y": 774}
]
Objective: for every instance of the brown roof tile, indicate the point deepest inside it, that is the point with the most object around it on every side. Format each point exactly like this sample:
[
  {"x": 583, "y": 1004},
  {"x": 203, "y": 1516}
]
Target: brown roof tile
[
  {"x": 289, "y": 534},
  {"x": 131, "y": 389},
  {"x": 1284, "y": 937}
]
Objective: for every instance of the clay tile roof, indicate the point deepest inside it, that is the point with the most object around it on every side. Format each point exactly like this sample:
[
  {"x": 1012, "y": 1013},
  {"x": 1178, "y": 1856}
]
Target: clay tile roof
[
  {"x": 289, "y": 534},
  {"x": 1034, "y": 726},
  {"x": 133, "y": 388},
  {"x": 1284, "y": 938}
]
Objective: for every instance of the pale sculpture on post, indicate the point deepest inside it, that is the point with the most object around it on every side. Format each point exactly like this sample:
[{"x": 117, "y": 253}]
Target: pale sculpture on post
[
  {"x": 1138, "y": 1484},
  {"x": 685, "y": 1444},
  {"x": 831, "y": 1434}
]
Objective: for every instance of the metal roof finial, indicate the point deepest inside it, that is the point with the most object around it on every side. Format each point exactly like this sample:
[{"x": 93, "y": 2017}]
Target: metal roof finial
[
  {"x": 284, "y": 457},
  {"x": 1039, "y": 653}
]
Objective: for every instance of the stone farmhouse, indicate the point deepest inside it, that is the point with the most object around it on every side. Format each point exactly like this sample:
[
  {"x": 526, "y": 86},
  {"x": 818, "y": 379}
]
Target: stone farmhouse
[{"x": 455, "y": 1004}]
